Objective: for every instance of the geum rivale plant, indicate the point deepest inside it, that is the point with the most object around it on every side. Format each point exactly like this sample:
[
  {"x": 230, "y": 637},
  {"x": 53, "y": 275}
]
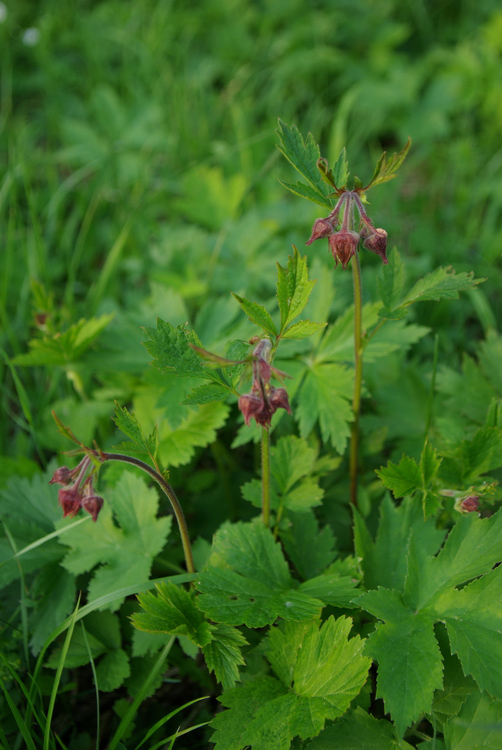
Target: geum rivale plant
[{"x": 413, "y": 616}]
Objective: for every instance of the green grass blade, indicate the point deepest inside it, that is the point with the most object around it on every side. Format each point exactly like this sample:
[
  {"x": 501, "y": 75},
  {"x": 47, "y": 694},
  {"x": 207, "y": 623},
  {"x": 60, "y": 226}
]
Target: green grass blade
[
  {"x": 25, "y": 731},
  {"x": 166, "y": 718},
  {"x": 44, "y": 539},
  {"x": 57, "y": 678},
  {"x": 131, "y": 711},
  {"x": 96, "y": 684}
]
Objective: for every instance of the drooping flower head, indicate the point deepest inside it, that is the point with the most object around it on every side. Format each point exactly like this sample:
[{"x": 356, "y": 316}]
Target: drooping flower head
[
  {"x": 77, "y": 491},
  {"x": 264, "y": 399}
]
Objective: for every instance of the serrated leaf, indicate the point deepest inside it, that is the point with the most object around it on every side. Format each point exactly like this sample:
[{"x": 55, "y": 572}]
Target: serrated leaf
[
  {"x": 443, "y": 283},
  {"x": 408, "y": 656},
  {"x": 477, "y": 725},
  {"x": 309, "y": 559},
  {"x": 223, "y": 654},
  {"x": 123, "y": 552},
  {"x": 324, "y": 396},
  {"x": 402, "y": 478},
  {"x": 293, "y": 288},
  {"x": 54, "y": 592},
  {"x": 341, "y": 169},
  {"x": 171, "y": 351},
  {"x": 206, "y": 393},
  {"x": 251, "y": 584},
  {"x": 172, "y": 610},
  {"x": 302, "y": 329},
  {"x": 112, "y": 670},
  {"x": 64, "y": 348},
  {"x": 473, "y": 619},
  {"x": 292, "y": 459},
  {"x": 386, "y": 169},
  {"x": 305, "y": 191},
  {"x": 332, "y": 588},
  {"x": 326, "y": 670},
  {"x": 197, "y": 429},
  {"x": 303, "y": 155},
  {"x": 391, "y": 282},
  {"x": 358, "y": 730},
  {"x": 472, "y": 548},
  {"x": 129, "y": 425},
  {"x": 257, "y": 314},
  {"x": 384, "y": 560}
]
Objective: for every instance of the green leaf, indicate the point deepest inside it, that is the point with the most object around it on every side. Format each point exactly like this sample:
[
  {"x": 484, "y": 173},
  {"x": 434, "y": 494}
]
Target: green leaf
[
  {"x": 303, "y": 155},
  {"x": 129, "y": 425},
  {"x": 386, "y": 169},
  {"x": 54, "y": 593},
  {"x": 332, "y": 588},
  {"x": 324, "y": 396},
  {"x": 223, "y": 654},
  {"x": 305, "y": 191},
  {"x": 320, "y": 672},
  {"x": 292, "y": 459},
  {"x": 204, "y": 394},
  {"x": 384, "y": 560},
  {"x": 172, "y": 610},
  {"x": 477, "y": 725},
  {"x": 358, "y": 730},
  {"x": 123, "y": 552},
  {"x": 472, "y": 548},
  {"x": 251, "y": 584},
  {"x": 391, "y": 282},
  {"x": 257, "y": 314},
  {"x": 293, "y": 289},
  {"x": 302, "y": 329},
  {"x": 473, "y": 618},
  {"x": 169, "y": 347},
  {"x": 64, "y": 348},
  {"x": 408, "y": 656},
  {"x": 309, "y": 559},
  {"x": 341, "y": 169},
  {"x": 197, "y": 429},
  {"x": 112, "y": 670},
  {"x": 443, "y": 283},
  {"x": 402, "y": 478}
]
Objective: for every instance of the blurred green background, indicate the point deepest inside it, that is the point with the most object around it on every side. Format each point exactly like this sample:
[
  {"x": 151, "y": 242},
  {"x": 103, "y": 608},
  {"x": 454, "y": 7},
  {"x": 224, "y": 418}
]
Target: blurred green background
[{"x": 140, "y": 176}]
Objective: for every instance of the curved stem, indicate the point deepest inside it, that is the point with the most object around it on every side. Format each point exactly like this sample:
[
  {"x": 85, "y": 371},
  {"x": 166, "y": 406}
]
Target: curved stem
[
  {"x": 168, "y": 490},
  {"x": 358, "y": 380},
  {"x": 265, "y": 475}
]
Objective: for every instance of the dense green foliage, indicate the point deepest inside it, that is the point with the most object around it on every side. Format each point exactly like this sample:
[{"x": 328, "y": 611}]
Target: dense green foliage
[{"x": 147, "y": 217}]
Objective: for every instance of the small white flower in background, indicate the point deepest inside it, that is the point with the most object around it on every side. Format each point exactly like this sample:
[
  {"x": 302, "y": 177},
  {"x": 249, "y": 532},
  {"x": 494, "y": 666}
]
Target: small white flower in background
[
  {"x": 3, "y": 12},
  {"x": 31, "y": 37}
]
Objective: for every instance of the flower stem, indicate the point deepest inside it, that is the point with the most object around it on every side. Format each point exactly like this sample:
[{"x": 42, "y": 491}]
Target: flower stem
[
  {"x": 168, "y": 490},
  {"x": 358, "y": 365},
  {"x": 265, "y": 475}
]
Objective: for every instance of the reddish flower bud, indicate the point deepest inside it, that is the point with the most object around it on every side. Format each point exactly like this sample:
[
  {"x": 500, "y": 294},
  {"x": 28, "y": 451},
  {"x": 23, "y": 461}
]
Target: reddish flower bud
[
  {"x": 92, "y": 504},
  {"x": 250, "y": 406},
  {"x": 377, "y": 243},
  {"x": 343, "y": 246},
  {"x": 468, "y": 504},
  {"x": 279, "y": 399},
  {"x": 70, "y": 499},
  {"x": 63, "y": 475},
  {"x": 322, "y": 228}
]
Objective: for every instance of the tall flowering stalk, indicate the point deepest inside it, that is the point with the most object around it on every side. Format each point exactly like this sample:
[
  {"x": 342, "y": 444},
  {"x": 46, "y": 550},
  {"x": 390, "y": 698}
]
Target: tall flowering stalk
[{"x": 347, "y": 227}]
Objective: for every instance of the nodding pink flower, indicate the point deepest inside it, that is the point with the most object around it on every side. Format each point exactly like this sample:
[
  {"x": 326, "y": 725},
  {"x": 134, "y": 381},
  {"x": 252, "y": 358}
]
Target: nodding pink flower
[
  {"x": 70, "y": 499},
  {"x": 377, "y": 243},
  {"x": 344, "y": 243},
  {"x": 343, "y": 246},
  {"x": 322, "y": 228},
  {"x": 80, "y": 494},
  {"x": 468, "y": 504},
  {"x": 263, "y": 400}
]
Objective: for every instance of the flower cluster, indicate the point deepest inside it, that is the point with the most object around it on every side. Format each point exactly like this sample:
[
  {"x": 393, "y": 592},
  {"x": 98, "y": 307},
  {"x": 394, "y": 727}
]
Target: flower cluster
[
  {"x": 263, "y": 400},
  {"x": 77, "y": 491},
  {"x": 344, "y": 242}
]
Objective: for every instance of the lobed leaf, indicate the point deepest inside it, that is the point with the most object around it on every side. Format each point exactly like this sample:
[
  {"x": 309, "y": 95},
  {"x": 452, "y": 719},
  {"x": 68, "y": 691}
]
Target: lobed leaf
[
  {"x": 223, "y": 654},
  {"x": 257, "y": 314},
  {"x": 303, "y": 155},
  {"x": 130, "y": 426},
  {"x": 171, "y": 350}
]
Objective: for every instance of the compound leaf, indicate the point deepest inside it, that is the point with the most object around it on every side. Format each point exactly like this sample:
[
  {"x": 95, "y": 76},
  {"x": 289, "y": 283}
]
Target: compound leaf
[{"x": 223, "y": 654}]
